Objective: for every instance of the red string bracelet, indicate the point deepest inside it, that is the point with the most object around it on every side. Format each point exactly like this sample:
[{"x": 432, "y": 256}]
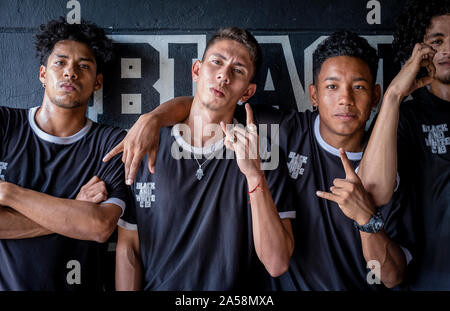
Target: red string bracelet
[{"x": 253, "y": 190}]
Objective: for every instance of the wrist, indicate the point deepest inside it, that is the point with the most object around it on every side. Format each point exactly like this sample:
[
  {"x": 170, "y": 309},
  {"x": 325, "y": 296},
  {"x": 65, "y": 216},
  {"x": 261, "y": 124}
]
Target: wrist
[
  {"x": 151, "y": 118},
  {"x": 364, "y": 219},
  {"x": 393, "y": 95},
  {"x": 253, "y": 180},
  {"x": 374, "y": 225}
]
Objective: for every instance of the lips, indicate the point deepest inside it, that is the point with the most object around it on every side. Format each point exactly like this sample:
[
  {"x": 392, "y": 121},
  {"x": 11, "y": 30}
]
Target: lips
[
  {"x": 217, "y": 92},
  {"x": 345, "y": 116},
  {"x": 69, "y": 87},
  {"x": 444, "y": 63}
]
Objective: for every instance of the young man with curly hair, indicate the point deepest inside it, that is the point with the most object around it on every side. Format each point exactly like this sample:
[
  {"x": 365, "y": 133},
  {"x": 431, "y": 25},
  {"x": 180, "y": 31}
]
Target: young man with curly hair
[
  {"x": 413, "y": 138},
  {"x": 50, "y": 224},
  {"x": 336, "y": 234}
]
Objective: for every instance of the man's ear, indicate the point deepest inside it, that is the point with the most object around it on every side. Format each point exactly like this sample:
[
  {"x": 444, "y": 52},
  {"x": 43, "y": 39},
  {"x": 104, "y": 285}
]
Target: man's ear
[
  {"x": 251, "y": 89},
  {"x": 313, "y": 95},
  {"x": 376, "y": 95},
  {"x": 42, "y": 73},
  {"x": 98, "y": 82},
  {"x": 196, "y": 70}
]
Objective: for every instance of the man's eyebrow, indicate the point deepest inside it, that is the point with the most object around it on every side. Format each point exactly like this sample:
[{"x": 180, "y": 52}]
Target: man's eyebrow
[
  {"x": 331, "y": 78},
  {"x": 219, "y": 55},
  {"x": 434, "y": 35},
  {"x": 88, "y": 59},
  {"x": 360, "y": 79},
  {"x": 224, "y": 58},
  {"x": 337, "y": 79}
]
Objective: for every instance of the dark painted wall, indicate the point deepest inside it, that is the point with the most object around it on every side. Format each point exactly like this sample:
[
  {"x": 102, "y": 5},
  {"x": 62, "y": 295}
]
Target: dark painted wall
[{"x": 158, "y": 41}]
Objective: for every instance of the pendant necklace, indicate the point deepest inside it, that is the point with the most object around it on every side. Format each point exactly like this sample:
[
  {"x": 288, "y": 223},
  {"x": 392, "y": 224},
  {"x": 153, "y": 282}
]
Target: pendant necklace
[{"x": 199, "y": 174}]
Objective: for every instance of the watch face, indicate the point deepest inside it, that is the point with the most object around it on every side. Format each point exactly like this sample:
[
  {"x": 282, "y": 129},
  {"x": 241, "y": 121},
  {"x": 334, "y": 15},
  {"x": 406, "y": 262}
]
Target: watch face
[
  {"x": 375, "y": 224},
  {"x": 378, "y": 225}
]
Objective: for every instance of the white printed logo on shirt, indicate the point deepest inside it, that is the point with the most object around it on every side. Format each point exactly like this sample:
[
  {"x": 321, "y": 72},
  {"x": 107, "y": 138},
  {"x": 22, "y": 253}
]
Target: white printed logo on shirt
[
  {"x": 436, "y": 139},
  {"x": 145, "y": 196},
  {"x": 295, "y": 164},
  {"x": 3, "y": 166}
]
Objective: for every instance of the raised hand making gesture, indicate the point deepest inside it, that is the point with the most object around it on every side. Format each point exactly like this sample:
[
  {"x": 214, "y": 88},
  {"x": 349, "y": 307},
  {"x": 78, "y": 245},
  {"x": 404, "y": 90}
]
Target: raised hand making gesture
[
  {"x": 349, "y": 193},
  {"x": 406, "y": 80},
  {"x": 244, "y": 142}
]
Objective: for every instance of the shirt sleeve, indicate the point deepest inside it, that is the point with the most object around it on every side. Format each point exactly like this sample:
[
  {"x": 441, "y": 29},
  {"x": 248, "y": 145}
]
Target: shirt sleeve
[{"x": 113, "y": 172}]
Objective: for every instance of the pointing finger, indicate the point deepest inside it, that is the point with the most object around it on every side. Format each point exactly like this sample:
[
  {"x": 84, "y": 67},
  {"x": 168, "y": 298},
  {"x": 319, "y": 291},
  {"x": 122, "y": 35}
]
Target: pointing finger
[
  {"x": 116, "y": 150},
  {"x": 348, "y": 167},
  {"x": 327, "y": 196},
  {"x": 249, "y": 112}
]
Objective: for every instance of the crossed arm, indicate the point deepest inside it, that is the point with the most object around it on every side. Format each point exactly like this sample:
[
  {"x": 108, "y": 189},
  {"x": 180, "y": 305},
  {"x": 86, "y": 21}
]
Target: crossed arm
[{"x": 30, "y": 213}]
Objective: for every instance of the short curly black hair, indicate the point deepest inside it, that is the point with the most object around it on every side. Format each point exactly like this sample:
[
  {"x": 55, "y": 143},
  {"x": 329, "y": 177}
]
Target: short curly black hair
[
  {"x": 412, "y": 24},
  {"x": 345, "y": 43},
  {"x": 86, "y": 32}
]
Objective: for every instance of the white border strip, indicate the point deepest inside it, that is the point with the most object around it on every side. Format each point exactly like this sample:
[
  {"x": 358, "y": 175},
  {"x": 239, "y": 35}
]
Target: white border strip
[
  {"x": 127, "y": 225},
  {"x": 55, "y": 139},
  {"x": 290, "y": 214},
  {"x": 354, "y": 156},
  {"x": 191, "y": 149},
  {"x": 116, "y": 201}
]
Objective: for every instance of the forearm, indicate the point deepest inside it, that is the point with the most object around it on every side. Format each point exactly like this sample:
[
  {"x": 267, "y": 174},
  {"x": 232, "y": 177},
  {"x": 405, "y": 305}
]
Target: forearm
[
  {"x": 128, "y": 263},
  {"x": 76, "y": 219},
  {"x": 171, "y": 112},
  {"x": 378, "y": 167},
  {"x": 274, "y": 243},
  {"x": 378, "y": 246},
  {"x": 14, "y": 225}
]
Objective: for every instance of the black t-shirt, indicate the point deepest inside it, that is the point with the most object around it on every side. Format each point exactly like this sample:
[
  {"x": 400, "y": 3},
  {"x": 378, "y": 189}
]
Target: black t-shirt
[
  {"x": 424, "y": 166},
  {"x": 58, "y": 166},
  {"x": 328, "y": 252},
  {"x": 197, "y": 234}
]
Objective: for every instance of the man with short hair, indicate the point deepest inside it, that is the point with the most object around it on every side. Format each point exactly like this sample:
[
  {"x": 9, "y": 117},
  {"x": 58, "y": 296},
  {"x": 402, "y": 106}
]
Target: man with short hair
[
  {"x": 414, "y": 136},
  {"x": 200, "y": 220},
  {"x": 50, "y": 224},
  {"x": 335, "y": 239}
]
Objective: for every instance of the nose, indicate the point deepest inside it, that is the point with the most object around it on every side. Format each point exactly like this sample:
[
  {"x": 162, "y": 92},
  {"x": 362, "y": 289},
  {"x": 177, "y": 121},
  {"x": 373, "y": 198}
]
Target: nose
[
  {"x": 70, "y": 72},
  {"x": 223, "y": 76},
  {"x": 346, "y": 96},
  {"x": 446, "y": 46}
]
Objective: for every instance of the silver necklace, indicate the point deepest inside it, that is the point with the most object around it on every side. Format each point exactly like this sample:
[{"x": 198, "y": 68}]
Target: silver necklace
[{"x": 199, "y": 174}]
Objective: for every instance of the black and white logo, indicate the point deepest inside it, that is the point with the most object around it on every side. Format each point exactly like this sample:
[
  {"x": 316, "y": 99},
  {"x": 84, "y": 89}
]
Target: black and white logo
[
  {"x": 145, "y": 196},
  {"x": 296, "y": 163},
  {"x": 3, "y": 166},
  {"x": 436, "y": 138}
]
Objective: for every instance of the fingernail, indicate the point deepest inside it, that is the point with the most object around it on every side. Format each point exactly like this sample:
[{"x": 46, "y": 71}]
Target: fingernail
[
  {"x": 129, "y": 182},
  {"x": 318, "y": 193}
]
